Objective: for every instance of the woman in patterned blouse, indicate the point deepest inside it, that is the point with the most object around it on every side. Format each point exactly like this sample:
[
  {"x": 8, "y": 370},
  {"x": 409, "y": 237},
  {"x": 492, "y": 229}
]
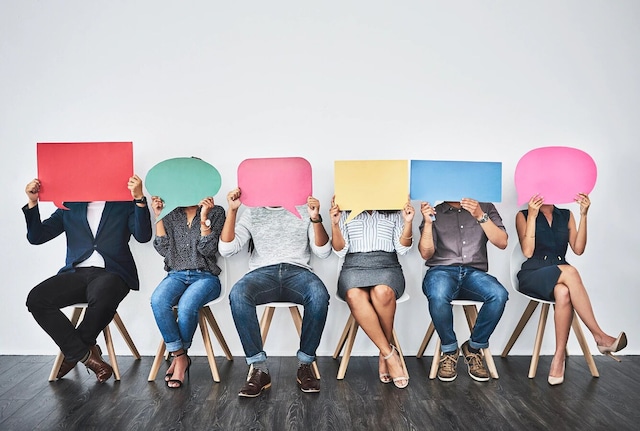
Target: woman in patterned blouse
[{"x": 187, "y": 238}]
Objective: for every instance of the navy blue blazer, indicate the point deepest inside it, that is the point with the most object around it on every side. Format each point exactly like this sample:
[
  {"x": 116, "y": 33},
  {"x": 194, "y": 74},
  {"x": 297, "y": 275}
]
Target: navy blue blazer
[{"x": 119, "y": 221}]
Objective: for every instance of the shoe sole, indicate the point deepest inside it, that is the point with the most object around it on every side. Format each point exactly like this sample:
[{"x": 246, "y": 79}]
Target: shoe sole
[
  {"x": 478, "y": 379},
  {"x": 447, "y": 379},
  {"x": 265, "y": 387},
  {"x": 307, "y": 391}
]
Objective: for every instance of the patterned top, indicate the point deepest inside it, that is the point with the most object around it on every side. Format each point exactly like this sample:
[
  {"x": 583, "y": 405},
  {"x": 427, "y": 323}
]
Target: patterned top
[
  {"x": 278, "y": 237},
  {"x": 184, "y": 248},
  {"x": 458, "y": 237},
  {"x": 378, "y": 231}
]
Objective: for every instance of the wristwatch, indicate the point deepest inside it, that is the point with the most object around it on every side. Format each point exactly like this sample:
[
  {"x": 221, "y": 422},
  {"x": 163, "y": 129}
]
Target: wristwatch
[
  {"x": 206, "y": 223},
  {"x": 484, "y": 218},
  {"x": 142, "y": 200},
  {"x": 319, "y": 220}
]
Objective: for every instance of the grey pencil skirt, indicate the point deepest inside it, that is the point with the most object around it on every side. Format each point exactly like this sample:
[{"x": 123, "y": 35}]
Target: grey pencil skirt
[{"x": 371, "y": 269}]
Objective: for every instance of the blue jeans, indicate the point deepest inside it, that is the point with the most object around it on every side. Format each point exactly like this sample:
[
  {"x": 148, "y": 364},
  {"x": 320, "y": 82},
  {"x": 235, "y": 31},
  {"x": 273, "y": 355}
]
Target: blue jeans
[
  {"x": 442, "y": 284},
  {"x": 279, "y": 283},
  {"x": 189, "y": 290}
]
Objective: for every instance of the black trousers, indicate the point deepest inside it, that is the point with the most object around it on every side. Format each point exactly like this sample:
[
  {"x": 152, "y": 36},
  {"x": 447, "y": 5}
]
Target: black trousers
[{"x": 101, "y": 290}]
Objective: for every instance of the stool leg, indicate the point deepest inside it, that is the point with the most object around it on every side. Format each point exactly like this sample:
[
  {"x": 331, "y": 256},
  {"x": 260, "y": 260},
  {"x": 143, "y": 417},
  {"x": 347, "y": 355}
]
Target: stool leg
[
  {"x": 112, "y": 353},
  {"x": 436, "y": 359},
  {"x": 353, "y": 329},
  {"x": 216, "y": 331},
  {"x": 526, "y": 315},
  {"x": 577, "y": 329},
  {"x": 157, "y": 361},
  {"x": 125, "y": 335},
  {"x": 343, "y": 337},
  {"x": 75, "y": 316},
  {"x": 208, "y": 347},
  {"x": 535, "y": 356},
  {"x": 427, "y": 337}
]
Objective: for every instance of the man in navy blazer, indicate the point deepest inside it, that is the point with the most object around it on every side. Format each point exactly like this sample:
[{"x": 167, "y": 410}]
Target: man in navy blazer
[{"x": 99, "y": 270}]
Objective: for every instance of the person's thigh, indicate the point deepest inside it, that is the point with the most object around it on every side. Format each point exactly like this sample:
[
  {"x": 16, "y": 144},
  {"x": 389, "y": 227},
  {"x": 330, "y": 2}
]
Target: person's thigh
[
  {"x": 257, "y": 287},
  {"x": 204, "y": 289},
  {"x": 480, "y": 286},
  {"x": 169, "y": 291},
  {"x": 106, "y": 289},
  {"x": 441, "y": 283},
  {"x": 59, "y": 291},
  {"x": 302, "y": 286}
]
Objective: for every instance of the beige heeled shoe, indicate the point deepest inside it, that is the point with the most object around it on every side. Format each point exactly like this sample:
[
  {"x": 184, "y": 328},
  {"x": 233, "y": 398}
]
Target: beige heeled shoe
[
  {"x": 553, "y": 381},
  {"x": 400, "y": 382},
  {"x": 619, "y": 344}
]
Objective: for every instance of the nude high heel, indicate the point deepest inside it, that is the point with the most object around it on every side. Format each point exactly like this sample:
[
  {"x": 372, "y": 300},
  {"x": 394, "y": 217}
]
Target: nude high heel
[
  {"x": 400, "y": 382},
  {"x": 619, "y": 344},
  {"x": 553, "y": 381}
]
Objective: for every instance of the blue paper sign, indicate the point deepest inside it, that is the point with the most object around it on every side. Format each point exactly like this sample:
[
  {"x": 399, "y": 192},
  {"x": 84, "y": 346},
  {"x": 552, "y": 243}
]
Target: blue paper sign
[{"x": 439, "y": 180}]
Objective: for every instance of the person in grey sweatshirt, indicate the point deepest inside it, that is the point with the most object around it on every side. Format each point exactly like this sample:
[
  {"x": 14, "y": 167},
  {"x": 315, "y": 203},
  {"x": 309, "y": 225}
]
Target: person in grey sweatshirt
[{"x": 280, "y": 244}]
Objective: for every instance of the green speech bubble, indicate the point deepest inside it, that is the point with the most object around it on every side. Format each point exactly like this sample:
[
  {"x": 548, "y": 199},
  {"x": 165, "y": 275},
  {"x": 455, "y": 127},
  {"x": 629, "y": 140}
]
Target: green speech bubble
[{"x": 182, "y": 182}]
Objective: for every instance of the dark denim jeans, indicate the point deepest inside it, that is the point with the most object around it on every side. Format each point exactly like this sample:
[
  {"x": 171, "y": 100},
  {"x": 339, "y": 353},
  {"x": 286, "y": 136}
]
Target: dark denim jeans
[
  {"x": 442, "y": 284},
  {"x": 285, "y": 283}
]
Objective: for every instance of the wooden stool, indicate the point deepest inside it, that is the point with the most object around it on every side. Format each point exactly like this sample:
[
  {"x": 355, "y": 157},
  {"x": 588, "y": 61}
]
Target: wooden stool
[
  {"x": 76, "y": 318},
  {"x": 471, "y": 314}
]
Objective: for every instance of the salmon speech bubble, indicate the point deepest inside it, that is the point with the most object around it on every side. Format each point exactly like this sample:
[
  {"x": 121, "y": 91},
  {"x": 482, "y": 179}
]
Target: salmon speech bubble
[
  {"x": 362, "y": 185},
  {"x": 182, "y": 182},
  {"x": 277, "y": 181},
  {"x": 84, "y": 171},
  {"x": 556, "y": 173}
]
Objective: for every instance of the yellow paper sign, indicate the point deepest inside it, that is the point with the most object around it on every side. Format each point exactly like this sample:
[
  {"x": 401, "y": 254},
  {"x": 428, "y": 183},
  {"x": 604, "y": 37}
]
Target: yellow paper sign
[{"x": 362, "y": 185}]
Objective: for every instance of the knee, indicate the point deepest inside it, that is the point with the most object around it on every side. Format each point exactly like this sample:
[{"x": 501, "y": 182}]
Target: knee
[
  {"x": 238, "y": 295},
  {"x": 33, "y": 301},
  {"x": 319, "y": 297},
  {"x": 383, "y": 294},
  {"x": 500, "y": 296}
]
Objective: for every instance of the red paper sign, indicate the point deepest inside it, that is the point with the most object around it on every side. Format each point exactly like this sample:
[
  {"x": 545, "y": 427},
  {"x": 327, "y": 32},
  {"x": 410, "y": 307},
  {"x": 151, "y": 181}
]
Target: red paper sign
[{"x": 84, "y": 171}]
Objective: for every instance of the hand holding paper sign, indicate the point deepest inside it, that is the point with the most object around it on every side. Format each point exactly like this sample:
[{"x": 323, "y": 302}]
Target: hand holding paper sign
[
  {"x": 557, "y": 173},
  {"x": 33, "y": 192}
]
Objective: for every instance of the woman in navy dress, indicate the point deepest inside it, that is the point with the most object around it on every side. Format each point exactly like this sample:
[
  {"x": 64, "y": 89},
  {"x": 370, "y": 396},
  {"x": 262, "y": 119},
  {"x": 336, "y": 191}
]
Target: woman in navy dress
[{"x": 545, "y": 232}]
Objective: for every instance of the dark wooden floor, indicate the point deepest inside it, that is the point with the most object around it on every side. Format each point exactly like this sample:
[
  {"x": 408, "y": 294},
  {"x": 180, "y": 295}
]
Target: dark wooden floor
[{"x": 360, "y": 402}]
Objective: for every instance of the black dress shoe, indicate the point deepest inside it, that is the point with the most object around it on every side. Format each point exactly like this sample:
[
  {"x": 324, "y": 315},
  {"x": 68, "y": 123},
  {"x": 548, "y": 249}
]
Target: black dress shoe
[
  {"x": 258, "y": 382},
  {"x": 95, "y": 363},
  {"x": 65, "y": 367}
]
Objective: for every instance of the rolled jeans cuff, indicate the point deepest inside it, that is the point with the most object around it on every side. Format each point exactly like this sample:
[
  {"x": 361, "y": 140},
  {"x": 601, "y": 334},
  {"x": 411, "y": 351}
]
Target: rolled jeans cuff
[
  {"x": 260, "y": 357},
  {"x": 304, "y": 358},
  {"x": 477, "y": 346}
]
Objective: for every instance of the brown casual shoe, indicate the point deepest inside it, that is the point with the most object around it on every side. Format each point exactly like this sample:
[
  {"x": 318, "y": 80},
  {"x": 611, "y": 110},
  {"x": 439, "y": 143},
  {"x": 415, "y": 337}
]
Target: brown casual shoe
[
  {"x": 447, "y": 366},
  {"x": 475, "y": 365},
  {"x": 95, "y": 363},
  {"x": 257, "y": 383},
  {"x": 65, "y": 367},
  {"x": 307, "y": 380}
]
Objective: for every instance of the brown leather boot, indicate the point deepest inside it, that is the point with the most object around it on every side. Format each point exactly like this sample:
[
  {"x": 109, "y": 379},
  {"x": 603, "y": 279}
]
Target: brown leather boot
[
  {"x": 65, "y": 367},
  {"x": 95, "y": 363}
]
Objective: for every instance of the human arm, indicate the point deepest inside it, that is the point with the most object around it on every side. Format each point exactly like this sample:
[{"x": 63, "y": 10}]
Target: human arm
[
  {"x": 578, "y": 238},
  {"x": 426, "y": 245},
  {"x": 140, "y": 223},
  {"x": 338, "y": 242},
  {"x": 233, "y": 235},
  {"x": 319, "y": 233},
  {"x": 496, "y": 234},
  {"x": 526, "y": 228},
  {"x": 39, "y": 232},
  {"x": 209, "y": 235}
]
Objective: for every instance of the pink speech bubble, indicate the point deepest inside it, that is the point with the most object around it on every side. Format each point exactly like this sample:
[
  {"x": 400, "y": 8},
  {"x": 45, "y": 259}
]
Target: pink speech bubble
[
  {"x": 556, "y": 173},
  {"x": 284, "y": 182},
  {"x": 84, "y": 171}
]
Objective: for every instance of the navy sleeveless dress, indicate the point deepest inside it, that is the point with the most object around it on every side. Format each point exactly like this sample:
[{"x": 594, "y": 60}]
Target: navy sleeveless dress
[{"x": 539, "y": 274}]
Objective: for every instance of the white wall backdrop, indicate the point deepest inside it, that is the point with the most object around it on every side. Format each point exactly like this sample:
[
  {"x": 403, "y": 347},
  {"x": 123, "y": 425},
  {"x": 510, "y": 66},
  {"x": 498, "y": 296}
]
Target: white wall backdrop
[{"x": 331, "y": 80}]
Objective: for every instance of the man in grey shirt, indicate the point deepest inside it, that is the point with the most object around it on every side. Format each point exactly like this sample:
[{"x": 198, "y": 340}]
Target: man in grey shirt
[
  {"x": 280, "y": 244},
  {"x": 453, "y": 242}
]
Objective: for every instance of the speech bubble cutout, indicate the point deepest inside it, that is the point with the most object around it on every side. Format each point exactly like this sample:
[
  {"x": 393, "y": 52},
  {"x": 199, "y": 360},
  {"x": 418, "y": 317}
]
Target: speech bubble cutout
[
  {"x": 556, "y": 173},
  {"x": 84, "y": 171},
  {"x": 362, "y": 185},
  {"x": 439, "y": 180},
  {"x": 277, "y": 181},
  {"x": 182, "y": 182}
]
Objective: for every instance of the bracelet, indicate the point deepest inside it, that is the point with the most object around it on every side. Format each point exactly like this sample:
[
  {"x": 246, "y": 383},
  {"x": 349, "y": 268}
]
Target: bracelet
[
  {"x": 406, "y": 237},
  {"x": 316, "y": 221}
]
